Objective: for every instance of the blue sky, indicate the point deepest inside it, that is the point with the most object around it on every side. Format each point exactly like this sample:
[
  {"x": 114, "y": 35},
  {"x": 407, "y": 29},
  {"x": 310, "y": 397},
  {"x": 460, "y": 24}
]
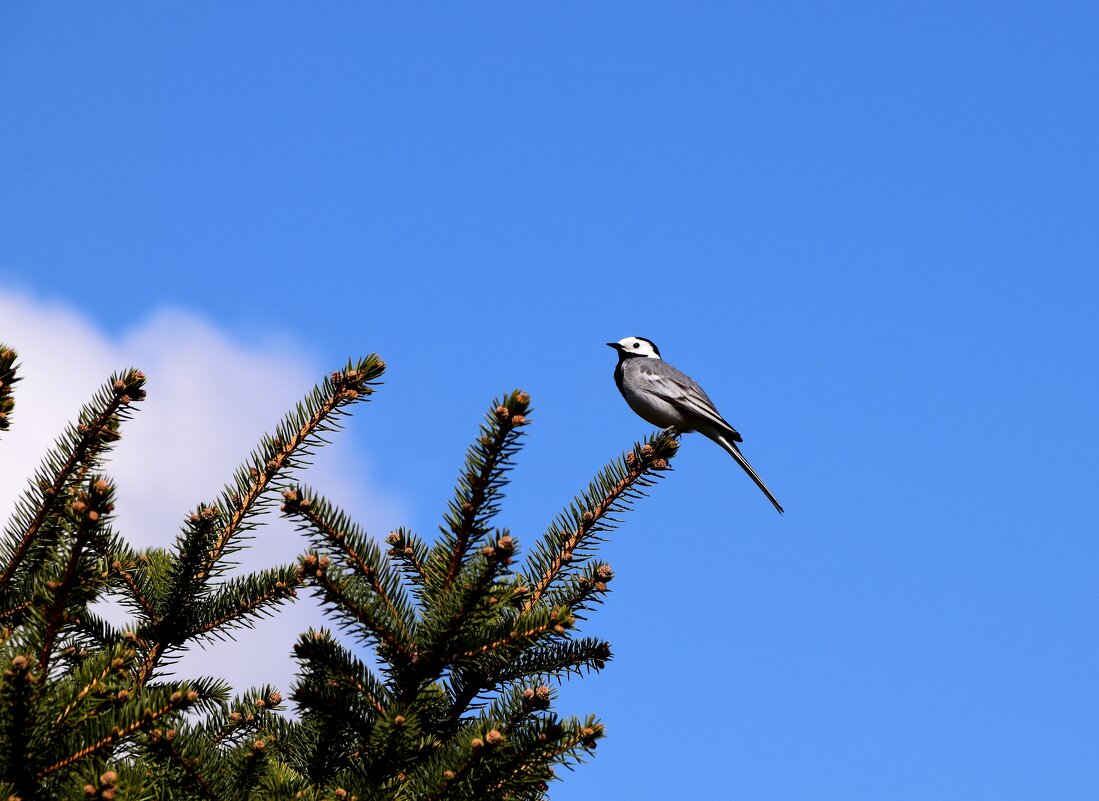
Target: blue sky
[{"x": 868, "y": 229}]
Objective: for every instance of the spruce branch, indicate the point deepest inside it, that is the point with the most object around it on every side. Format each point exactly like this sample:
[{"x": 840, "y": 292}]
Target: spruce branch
[
  {"x": 164, "y": 744},
  {"x": 246, "y": 716},
  {"x": 249, "y": 765},
  {"x": 524, "y": 767},
  {"x": 557, "y": 659},
  {"x": 8, "y": 377},
  {"x": 583, "y": 591},
  {"x": 409, "y": 553},
  {"x": 479, "y": 630},
  {"x": 555, "y": 621},
  {"x": 330, "y": 670},
  {"x": 300, "y": 431},
  {"x": 347, "y": 599},
  {"x": 453, "y": 701},
  {"x": 141, "y": 718},
  {"x": 89, "y": 632},
  {"x": 224, "y": 756},
  {"x": 88, "y": 510},
  {"x": 510, "y": 709},
  {"x": 184, "y": 581},
  {"x": 448, "y": 620},
  {"x": 554, "y": 741},
  {"x": 105, "y": 787},
  {"x": 78, "y": 450},
  {"x": 451, "y": 778},
  {"x": 92, "y": 678},
  {"x": 480, "y": 484},
  {"x": 153, "y": 655},
  {"x": 138, "y": 593},
  {"x": 241, "y": 600},
  {"x": 214, "y": 531},
  {"x": 611, "y": 492},
  {"x": 360, "y": 555},
  {"x": 13, "y": 616},
  {"x": 17, "y": 691}
]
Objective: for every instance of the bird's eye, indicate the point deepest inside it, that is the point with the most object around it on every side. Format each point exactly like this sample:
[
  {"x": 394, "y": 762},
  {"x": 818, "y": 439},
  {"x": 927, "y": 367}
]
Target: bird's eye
[{"x": 637, "y": 344}]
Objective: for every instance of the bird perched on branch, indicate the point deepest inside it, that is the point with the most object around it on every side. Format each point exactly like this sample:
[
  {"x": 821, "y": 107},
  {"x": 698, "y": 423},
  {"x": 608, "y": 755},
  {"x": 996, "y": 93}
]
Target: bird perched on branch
[{"x": 667, "y": 398}]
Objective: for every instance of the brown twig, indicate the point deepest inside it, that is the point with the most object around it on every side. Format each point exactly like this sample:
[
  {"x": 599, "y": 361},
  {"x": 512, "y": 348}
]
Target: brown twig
[
  {"x": 117, "y": 734},
  {"x": 513, "y": 638},
  {"x": 52, "y": 493},
  {"x": 354, "y": 558},
  {"x": 85, "y": 691},
  {"x": 388, "y": 638},
  {"x": 588, "y": 522},
  {"x": 244, "y": 609},
  {"x": 270, "y": 470},
  {"x": 68, "y": 580},
  {"x": 130, "y": 582},
  {"x": 478, "y": 486}
]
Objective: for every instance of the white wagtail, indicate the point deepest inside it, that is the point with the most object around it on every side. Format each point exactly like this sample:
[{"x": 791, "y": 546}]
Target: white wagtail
[{"x": 667, "y": 398}]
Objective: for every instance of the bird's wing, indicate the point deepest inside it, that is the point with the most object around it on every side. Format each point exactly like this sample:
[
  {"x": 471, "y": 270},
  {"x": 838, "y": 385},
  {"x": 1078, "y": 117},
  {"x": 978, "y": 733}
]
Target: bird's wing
[{"x": 685, "y": 394}]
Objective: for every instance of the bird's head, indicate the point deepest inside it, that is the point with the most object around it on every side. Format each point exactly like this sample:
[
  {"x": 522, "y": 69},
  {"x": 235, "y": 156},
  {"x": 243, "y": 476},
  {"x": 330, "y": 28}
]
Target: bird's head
[{"x": 635, "y": 346}]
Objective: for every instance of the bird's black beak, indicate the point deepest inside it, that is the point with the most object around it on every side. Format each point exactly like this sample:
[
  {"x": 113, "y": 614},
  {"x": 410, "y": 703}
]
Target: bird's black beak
[{"x": 614, "y": 345}]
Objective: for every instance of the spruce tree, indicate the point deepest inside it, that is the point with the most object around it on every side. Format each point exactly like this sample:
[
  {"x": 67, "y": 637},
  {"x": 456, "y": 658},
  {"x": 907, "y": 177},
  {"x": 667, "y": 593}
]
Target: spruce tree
[{"x": 440, "y": 687}]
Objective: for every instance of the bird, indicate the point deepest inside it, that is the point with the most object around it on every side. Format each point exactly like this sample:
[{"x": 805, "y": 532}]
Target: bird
[{"x": 670, "y": 399}]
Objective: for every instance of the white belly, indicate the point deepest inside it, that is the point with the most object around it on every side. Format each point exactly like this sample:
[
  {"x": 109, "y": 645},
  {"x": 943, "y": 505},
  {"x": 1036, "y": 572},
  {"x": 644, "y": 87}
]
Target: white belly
[{"x": 653, "y": 409}]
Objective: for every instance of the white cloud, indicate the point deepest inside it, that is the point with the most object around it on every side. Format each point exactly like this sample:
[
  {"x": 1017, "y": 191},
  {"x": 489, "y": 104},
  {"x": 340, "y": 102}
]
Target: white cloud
[{"x": 210, "y": 401}]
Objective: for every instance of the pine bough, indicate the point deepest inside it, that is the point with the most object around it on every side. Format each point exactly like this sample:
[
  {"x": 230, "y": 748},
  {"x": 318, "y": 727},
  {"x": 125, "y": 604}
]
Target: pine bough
[{"x": 440, "y": 687}]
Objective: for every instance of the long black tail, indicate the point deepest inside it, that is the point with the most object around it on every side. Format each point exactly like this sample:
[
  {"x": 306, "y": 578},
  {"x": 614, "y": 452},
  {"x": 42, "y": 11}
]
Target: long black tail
[{"x": 734, "y": 451}]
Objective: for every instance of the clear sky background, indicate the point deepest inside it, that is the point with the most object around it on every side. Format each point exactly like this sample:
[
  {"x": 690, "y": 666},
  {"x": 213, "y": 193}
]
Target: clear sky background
[{"x": 870, "y": 230}]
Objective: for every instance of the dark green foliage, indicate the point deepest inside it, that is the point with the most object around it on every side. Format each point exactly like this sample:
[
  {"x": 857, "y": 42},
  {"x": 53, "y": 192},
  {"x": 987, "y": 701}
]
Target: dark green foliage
[
  {"x": 77, "y": 695},
  {"x": 439, "y": 687},
  {"x": 467, "y": 642},
  {"x": 7, "y": 381}
]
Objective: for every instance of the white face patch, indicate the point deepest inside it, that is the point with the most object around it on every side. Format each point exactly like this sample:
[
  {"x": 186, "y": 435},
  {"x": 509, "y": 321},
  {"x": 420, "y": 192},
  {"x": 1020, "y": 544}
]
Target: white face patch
[{"x": 639, "y": 347}]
